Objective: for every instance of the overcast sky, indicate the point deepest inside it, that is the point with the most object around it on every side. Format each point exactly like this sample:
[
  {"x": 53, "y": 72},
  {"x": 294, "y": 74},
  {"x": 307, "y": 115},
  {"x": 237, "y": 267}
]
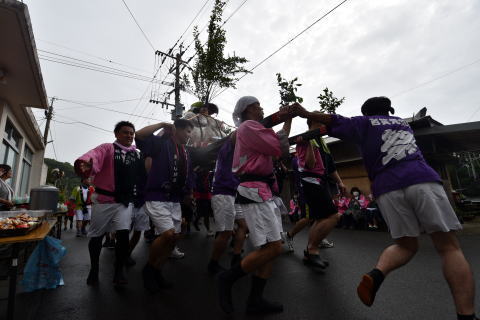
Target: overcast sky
[{"x": 420, "y": 53}]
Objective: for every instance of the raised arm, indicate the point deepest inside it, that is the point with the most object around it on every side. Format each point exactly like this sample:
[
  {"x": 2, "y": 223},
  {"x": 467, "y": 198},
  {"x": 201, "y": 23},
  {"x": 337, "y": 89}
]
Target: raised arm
[
  {"x": 300, "y": 111},
  {"x": 92, "y": 162},
  {"x": 144, "y": 133}
]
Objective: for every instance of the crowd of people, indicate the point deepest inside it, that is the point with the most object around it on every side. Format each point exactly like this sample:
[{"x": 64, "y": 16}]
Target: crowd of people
[{"x": 155, "y": 183}]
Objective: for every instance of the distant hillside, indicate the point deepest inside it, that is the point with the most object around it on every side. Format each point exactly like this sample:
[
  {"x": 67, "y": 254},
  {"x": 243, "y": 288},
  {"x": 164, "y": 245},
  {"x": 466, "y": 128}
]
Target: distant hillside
[{"x": 69, "y": 180}]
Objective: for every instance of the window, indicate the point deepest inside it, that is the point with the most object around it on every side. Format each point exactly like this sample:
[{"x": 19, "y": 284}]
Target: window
[
  {"x": 9, "y": 149},
  {"x": 26, "y": 169}
]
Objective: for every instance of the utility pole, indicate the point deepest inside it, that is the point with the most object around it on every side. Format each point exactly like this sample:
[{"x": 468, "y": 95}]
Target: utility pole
[
  {"x": 48, "y": 116},
  {"x": 178, "y": 111}
]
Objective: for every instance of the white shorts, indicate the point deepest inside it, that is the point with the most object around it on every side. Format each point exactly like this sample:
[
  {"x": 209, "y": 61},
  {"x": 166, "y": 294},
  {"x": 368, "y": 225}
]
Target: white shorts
[
  {"x": 417, "y": 208},
  {"x": 107, "y": 217},
  {"x": 281, "y": 209},
  {"x": 165, "y": 215},
  {"x": 225, "y": 212},
  {"x": 264, "y": 222},
  {"x": 140, "y": 220},
  {"x": 80, "y": 216}
]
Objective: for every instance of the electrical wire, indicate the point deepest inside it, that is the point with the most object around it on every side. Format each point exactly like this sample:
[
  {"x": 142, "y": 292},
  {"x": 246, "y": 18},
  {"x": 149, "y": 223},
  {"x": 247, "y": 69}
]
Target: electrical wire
[
  {"x": 94, "y": 66},
  {"x": 446, "y": 74},
  {"x": 101, "y": 103},
  {"x": 234, "y": 12},
  {"x": 473, "y": 114},
  {"x": 106, "y": 109},
  {"x": 287, "y": 43},
  {"x": 92, "y": 55},
  {"x": 90, "y": 63},
  {"x": 138, "y": 25},
  {"x": 190, "y": 24},
  {"x": 80, "y": 122},
  {"x": 73, "y": 64}
]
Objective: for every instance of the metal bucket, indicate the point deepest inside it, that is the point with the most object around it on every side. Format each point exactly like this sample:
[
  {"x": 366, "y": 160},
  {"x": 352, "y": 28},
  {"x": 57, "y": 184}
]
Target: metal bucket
[{"x": 44, "y": 198}]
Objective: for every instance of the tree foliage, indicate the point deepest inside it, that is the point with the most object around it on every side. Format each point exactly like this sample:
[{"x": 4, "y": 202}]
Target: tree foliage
[
  {"x": 288, "y": 90},
  {"x": 212, "y": 70},
  {"x": 328, "y": 102}
]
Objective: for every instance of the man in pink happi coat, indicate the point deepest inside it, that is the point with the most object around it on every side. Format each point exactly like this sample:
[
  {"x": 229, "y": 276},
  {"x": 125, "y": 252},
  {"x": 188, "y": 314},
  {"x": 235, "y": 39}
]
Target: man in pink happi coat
[
  {"x": 115, "y": 167},
  {"x": 255, "y": 149}
]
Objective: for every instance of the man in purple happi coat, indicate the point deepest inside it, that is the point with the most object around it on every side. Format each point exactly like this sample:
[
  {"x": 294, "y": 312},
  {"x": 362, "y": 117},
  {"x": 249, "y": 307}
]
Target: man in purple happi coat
[{"x": 410, "y": 196}]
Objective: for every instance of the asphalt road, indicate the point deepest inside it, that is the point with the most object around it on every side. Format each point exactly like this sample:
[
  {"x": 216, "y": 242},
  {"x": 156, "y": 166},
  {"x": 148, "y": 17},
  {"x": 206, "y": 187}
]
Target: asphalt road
[{"x": 416, "y": 291}]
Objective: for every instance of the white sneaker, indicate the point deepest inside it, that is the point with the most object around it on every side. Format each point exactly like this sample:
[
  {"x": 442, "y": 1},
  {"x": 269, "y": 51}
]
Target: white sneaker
[
  {"x": 210, "y": 233},
  {"x": 326, "y": 244},
  {"x": 289, "y": 242},
  {"x": 177, "y": 254}
]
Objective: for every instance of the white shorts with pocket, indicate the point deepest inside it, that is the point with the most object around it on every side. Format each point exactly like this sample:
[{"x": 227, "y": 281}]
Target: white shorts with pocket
[
  {"x": 225, "y": 212},
  {"x": 80, "y": 216},
  {"x": 264, "y": 222},
  {"x": 140, "y": 220},
  {"x": 422, "y": 207},
  {"x": 165, "y": 215},
  {"x": 108, "y": 217}
]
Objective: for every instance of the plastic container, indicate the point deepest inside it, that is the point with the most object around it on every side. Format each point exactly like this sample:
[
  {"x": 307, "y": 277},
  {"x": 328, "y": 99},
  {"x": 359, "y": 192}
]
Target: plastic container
[{"x": 44, "y": 198}]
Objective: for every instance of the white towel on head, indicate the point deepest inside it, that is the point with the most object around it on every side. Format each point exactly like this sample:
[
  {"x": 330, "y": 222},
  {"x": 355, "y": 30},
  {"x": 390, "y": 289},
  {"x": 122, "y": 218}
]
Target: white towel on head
[{"x": 241, "y": 105}]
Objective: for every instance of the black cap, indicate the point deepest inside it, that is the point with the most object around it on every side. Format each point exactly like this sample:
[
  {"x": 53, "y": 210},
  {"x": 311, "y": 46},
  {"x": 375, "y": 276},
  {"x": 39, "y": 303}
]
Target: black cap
[{"x": 377, "y": 106}]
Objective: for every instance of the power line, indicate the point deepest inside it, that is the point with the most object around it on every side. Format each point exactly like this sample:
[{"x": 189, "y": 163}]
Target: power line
[
  {"x": 91, "y": 55},
  {"x": 91, "y": 63},
  {"x": 80, "y": 122},
  {"x": 138, "y": 25},
  {"x": 235, "y": 11},
  {"x": 73, "y": 64},
  {"x": 473, "y": 114},
  {"x": 288, "y": 42},
  {"x": 100, "y": 103},
  {"x": 438, "y": 78},
  {"x": 190, "y": 24},
  {"x": 106, "y": 109}
]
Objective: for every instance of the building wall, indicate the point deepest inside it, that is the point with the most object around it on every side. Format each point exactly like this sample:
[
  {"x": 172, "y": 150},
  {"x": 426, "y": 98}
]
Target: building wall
[
  {"x": 354, "y": 175},
  {"x": 21, "y": 121}
]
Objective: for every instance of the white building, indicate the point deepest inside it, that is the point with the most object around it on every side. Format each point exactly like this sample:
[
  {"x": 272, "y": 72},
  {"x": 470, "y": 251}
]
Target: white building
[{"x": 21, "y": 88}]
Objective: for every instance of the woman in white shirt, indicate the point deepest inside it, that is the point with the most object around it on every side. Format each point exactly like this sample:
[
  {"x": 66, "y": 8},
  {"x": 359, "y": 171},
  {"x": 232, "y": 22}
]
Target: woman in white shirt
[{"x": 6, "y": 191}]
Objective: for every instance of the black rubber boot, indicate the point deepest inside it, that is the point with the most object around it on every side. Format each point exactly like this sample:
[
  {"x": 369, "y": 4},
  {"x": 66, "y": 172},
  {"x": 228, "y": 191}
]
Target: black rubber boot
[
  {"x": 149, "y": 281},
  {"x": 236, "y": 259},
  {"x": 225, "y": 283},
  {"x": 256, "y": 303},
  {"x": 92, "y": 279},
  {"x": 263, "y": 306},
  {"x": 214, "y": 267},
  {"x": 94, "y": 249}
]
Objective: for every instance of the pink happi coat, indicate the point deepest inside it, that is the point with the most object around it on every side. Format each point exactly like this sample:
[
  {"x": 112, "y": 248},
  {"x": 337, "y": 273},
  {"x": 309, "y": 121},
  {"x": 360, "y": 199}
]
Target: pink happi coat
[
  {"x": 254, "y": 148},
  {"x": 102, "y": 168}
]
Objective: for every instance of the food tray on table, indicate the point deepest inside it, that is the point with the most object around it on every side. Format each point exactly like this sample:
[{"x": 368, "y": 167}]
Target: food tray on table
[{"x": 21, "y": 222}]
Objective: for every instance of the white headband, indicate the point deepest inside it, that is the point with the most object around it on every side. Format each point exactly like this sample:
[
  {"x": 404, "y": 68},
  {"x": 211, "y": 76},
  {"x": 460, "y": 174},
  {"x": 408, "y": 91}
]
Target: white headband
[{"x": 241, "y": 105}]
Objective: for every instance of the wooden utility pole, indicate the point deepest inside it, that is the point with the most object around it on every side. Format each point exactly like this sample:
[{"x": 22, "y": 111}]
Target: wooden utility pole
[
  {"x": 48, "y": 116},
  {"x": 178, "y": 111}
]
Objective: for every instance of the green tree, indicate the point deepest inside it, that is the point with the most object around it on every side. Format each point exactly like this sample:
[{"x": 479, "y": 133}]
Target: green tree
[
  {"x": 212, "y": 70},
  {"x": 328, "y": 102},
  {"x": 288, "y": 90}
]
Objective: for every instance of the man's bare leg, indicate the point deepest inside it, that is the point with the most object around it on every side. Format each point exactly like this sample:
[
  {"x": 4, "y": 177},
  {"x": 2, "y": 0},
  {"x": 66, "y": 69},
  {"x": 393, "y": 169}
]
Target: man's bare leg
[
  {"x": 319, "y": 231},
  {"x": 240, "y": 235},
  {"x": 391, "y": 258},
  {"x": 299, "y": 226},
  {"x": 219, "y": 246},
  {"x": 258, "y": 258},
  {"x": 456, "y": 271}
]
